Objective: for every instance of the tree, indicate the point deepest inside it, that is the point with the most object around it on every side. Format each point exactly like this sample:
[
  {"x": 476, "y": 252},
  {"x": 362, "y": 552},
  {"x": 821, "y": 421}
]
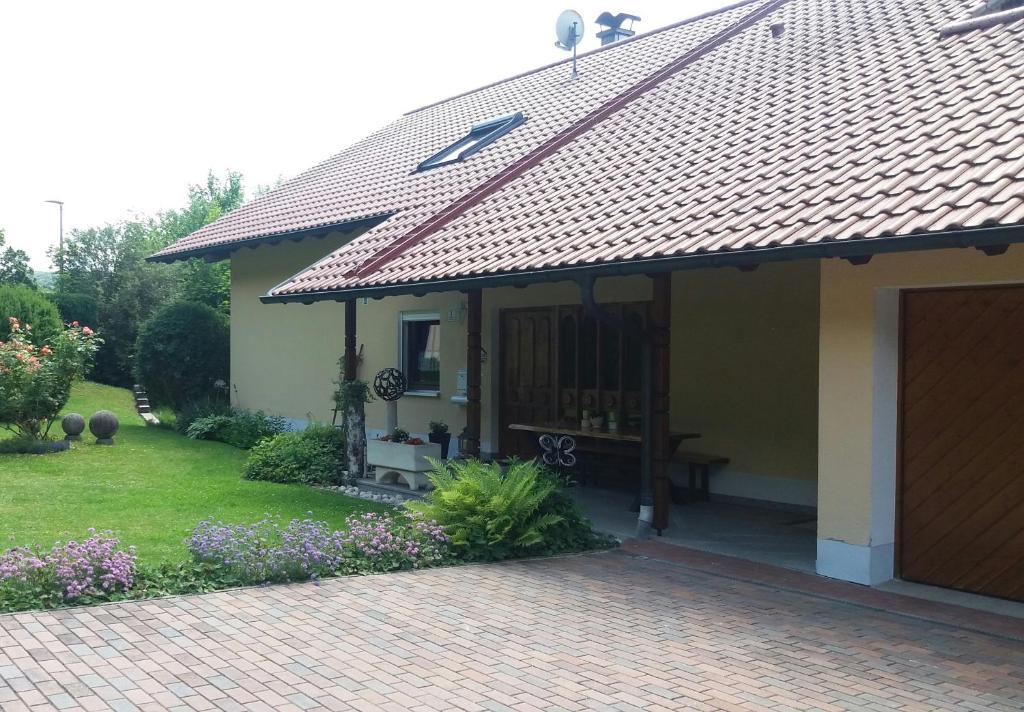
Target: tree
[
  {"x": 106, "y": 266},
  {"x": 31, "y": 308},
  {"x": 14, "y": 267},
  {"x": 183, "y": 351}
]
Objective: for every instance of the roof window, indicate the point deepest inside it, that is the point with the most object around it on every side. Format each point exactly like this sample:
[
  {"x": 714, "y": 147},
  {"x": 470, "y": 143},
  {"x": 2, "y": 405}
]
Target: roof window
[
  {"x": 988, "y": 14},
  {"x": 479, "y": 136}
]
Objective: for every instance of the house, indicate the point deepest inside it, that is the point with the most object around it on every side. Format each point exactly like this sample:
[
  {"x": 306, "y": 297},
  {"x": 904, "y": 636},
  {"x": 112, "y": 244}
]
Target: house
[{"x": 801, "y": 219}]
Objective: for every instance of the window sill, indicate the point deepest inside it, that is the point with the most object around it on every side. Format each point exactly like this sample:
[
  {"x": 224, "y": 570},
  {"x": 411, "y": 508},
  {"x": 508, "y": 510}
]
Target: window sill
[{"x": 424, "y": 394}]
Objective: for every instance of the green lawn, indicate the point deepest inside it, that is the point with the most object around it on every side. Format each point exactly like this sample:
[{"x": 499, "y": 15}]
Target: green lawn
[{"x": 150, "y": 488}]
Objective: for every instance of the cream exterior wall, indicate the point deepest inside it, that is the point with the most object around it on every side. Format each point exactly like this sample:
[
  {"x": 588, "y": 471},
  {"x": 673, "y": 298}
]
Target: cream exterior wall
[
  {"x": 857, "y": 395},
  {"x": 283, "y": 357}
]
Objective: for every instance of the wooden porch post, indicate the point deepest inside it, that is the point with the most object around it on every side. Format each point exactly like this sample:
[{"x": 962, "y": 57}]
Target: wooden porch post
[
  {"x": 660, "y": 335},
  {"x": 351, "y": 357},
  {"x": 474, "y": 353}
]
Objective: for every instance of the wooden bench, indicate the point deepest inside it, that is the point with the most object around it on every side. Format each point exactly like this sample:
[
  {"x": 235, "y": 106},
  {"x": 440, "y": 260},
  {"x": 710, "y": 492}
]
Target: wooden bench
[{"x": 699, "y": 465}]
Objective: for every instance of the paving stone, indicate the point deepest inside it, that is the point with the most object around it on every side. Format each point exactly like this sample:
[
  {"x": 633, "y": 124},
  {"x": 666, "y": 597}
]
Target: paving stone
[{"x": 604, "y": 631}]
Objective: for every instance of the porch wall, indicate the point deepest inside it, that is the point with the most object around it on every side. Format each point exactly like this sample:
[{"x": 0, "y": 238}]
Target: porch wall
[{"x": 858, "y": 374}]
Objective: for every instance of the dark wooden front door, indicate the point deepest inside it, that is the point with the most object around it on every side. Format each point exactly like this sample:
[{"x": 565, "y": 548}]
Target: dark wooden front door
[
  {"x": 527, "y": 391},
  {"x": 558, "y": 365},
  {"x": 961, "y": 502}
]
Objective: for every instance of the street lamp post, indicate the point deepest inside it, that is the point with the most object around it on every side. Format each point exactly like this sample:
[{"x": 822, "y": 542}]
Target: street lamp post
[{"x": 60, "y": 204}]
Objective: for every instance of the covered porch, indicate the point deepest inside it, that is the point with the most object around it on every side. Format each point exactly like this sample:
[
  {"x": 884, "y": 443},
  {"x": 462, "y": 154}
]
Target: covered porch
[{"x": 731, "y": 371}]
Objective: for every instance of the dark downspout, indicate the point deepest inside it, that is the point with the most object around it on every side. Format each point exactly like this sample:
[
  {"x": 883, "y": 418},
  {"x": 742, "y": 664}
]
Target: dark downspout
[{"x": 645, "y": 518}]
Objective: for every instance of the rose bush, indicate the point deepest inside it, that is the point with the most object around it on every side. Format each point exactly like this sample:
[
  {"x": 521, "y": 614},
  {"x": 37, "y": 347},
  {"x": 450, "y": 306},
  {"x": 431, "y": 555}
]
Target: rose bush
[{"x": 35, "y": 380}]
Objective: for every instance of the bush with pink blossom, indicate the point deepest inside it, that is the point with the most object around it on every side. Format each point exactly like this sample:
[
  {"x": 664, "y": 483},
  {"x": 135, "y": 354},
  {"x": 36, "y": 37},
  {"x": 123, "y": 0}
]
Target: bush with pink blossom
[{"x": 35, "y": 380}]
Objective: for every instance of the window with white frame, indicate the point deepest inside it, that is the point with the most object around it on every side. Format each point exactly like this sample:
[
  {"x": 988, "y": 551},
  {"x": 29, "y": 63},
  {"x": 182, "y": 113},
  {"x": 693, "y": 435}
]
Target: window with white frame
[{"x": 420, "y": 348}]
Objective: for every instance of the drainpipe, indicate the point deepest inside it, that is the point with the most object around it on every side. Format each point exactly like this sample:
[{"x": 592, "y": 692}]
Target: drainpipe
[{"x": 645, "y": 518}]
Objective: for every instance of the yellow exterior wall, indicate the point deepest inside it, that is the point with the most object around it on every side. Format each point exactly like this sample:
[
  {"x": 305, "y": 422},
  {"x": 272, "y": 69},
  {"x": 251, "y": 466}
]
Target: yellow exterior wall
[
  {"x": 744, "y": 366},
  {"x": 283, "y": 357},
  {"x": 846, "y": 372}
]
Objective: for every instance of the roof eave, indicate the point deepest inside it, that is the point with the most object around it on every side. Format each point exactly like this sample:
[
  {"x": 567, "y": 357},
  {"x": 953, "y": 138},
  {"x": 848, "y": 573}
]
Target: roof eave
[
  {"x": 983, "y": 237},
  {"x": 216, "y": 253}
]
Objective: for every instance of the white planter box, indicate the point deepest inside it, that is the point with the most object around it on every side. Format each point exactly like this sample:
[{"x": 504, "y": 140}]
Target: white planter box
[{"x": 394, "y": 461}]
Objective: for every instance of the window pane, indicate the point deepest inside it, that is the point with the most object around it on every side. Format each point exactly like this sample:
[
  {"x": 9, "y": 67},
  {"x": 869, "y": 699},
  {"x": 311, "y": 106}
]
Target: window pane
[{"x": 422, "y": 355}]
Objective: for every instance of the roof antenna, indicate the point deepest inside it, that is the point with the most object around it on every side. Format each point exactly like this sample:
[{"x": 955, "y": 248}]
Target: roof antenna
[{"x": 569, "y": 30}]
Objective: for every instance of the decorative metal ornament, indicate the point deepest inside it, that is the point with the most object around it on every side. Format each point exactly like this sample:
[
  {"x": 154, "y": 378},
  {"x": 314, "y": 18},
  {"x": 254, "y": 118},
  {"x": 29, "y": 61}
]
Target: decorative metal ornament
[
  {"x": 390, "y": 384},
  {"x": 557, "y": 450}
]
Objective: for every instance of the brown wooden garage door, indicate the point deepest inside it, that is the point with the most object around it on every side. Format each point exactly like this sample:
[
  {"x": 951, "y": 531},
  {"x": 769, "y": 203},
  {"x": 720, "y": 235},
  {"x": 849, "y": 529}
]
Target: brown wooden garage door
[{"x": 962, "y": 431}]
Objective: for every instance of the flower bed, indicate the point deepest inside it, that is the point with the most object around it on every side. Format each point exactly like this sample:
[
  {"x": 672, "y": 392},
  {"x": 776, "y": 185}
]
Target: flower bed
[
  {"x": 99, "y": 569},
  {"x": 95, "y": 569}
]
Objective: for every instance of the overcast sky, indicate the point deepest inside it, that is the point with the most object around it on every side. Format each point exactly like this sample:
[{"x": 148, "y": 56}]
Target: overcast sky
[{"x": 116, "y": 107}]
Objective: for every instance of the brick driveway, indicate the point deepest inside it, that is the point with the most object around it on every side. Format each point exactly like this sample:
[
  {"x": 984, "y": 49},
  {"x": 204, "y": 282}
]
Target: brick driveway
[{"x": 603, "y": 631}]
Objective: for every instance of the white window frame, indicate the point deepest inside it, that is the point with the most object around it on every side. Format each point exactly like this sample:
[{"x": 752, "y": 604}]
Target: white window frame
[{"x": 406, "y": 318}]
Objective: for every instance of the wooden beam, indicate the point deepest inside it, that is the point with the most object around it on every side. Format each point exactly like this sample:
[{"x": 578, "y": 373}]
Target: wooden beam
[
  {"x": 994, "y": 250},
  {"x": 474, "y": 357},
  {"x": 660, "y": 335},
  {"x": 351, "y": 357}
]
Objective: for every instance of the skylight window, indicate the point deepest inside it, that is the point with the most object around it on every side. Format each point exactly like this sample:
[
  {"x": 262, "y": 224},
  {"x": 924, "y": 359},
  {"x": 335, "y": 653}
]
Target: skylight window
[
  {"x": 989, "y": 13},
  {"x": 479, "y": 136}
]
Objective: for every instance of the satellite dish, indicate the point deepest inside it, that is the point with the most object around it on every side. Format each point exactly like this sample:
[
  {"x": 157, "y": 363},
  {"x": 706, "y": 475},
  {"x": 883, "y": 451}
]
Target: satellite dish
[{"x": 569, "y": 29}]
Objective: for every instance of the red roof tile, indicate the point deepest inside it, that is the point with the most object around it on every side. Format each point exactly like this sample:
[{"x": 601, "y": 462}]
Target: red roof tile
[
  {"x": 377, "y": 176},
  {"x": 859, "y": 122}
]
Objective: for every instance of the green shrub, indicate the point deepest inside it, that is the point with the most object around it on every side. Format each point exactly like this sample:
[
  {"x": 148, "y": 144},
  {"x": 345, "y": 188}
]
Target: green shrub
[
  {"x": 490, "y": 514},
  {"x": 200, "y": 408},
  {"x": 311, "y": 456},
  {"x": 241, "y": 428},
  {"x": 28, "y": 306},
  {"x": 73, "y": 306},
  {"x": 182, "y": 353}
]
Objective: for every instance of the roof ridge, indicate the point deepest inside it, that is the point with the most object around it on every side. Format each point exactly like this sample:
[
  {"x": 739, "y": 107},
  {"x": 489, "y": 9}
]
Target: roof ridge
[
  {"x": 602, "y": 48},
  {"x": 400, "y": 244}
]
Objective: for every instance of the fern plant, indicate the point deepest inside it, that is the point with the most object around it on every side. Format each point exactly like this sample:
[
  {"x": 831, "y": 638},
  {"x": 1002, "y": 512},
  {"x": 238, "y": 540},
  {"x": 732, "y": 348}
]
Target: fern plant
[{"x": 491, "y": 514}]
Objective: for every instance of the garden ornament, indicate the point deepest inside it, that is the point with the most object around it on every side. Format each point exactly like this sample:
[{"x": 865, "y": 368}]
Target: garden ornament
[
  {"x": 73, "y": 425},
  {"x": 390, "y": 385},
  {"x": 103, "y": 424}
]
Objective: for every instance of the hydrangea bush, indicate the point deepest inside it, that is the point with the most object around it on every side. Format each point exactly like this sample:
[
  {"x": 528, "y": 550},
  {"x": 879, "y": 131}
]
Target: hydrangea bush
[
  {"x": 94, "y": 569},
  {"x": 35, "y": 381},
  {"x": 305, "y": 548}
]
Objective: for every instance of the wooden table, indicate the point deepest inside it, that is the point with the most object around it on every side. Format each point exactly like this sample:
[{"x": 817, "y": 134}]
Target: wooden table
[{"x": 623, "y": 435}]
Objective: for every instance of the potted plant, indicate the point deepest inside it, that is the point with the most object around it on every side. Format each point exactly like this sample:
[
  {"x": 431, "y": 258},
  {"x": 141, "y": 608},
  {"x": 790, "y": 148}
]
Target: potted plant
[
  {"x": 439, "y": 434},
  {"x": 397, "y": 456}
]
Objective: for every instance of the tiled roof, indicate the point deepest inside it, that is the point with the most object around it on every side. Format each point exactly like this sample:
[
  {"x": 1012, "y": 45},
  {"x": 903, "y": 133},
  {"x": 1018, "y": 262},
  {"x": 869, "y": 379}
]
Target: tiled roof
[
  {"x": 377, "y": 176},
  {"x": 859, "y": 122}
]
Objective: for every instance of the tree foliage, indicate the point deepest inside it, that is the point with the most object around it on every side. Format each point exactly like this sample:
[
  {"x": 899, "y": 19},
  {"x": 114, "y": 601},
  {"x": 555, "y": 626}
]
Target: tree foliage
[
  {"x": 106, "y": 266},
  {"x": 31, "y": 308},
  {"x": 14, "y": 267},
  {"x": 183, "y": 351}
]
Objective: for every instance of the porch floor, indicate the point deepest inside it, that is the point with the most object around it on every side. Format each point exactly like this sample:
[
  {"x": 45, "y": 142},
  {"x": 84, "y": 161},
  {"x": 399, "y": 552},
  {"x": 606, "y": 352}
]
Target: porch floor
[{"x": 772, "y": 536}]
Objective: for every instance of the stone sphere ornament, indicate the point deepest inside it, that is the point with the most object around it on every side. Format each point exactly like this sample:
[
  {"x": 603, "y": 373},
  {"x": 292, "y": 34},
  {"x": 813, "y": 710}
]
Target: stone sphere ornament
[
  {"x": 73, "y": 425},
  {"x": 103, "y": 424},
  {"x": 390, "y": 384}
]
